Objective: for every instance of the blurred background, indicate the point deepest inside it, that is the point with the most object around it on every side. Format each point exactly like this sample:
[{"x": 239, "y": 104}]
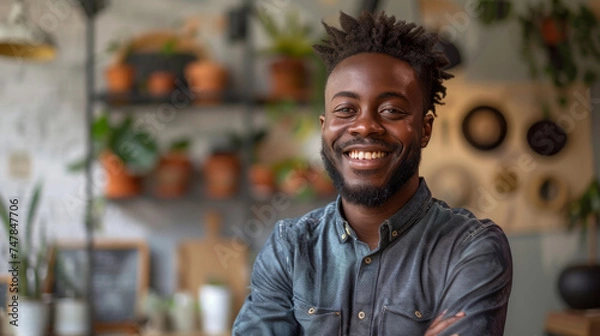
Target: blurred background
[{"x": 204, "y": 128}]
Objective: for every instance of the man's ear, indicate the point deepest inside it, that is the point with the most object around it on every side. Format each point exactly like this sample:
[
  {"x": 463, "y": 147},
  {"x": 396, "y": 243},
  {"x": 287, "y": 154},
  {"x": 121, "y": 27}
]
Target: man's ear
[
  {"x": 322, "y": 120},
  {"x": 426, "y": 130}
]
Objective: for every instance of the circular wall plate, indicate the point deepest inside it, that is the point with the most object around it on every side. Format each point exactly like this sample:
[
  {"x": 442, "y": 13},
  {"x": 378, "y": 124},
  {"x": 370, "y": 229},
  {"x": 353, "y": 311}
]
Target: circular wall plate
[
  {"x": 546, "y": 138},
  {"x": 484, "y": 127},
  {"x": 548, "y": 192},
  {"x": 452, "y": 184}
]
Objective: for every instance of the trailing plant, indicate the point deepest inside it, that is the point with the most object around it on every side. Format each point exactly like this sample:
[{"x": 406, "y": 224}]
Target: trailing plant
[
  {"x": 584, "y": 212},
  {"x": 494, "y": 11},
  {"x": 568, "y": 38},
  {"x": 29, "y": 247}
]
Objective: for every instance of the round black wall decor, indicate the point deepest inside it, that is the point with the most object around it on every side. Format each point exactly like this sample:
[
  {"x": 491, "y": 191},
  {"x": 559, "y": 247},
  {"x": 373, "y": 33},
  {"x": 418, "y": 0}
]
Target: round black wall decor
[
  {"x": 484, "y": 127},
  {"x": 546, "y": 138}
]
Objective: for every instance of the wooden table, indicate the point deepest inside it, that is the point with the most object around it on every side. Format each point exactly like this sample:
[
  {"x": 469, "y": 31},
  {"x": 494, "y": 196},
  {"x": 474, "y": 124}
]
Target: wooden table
[{"x": 573, "y": 323}]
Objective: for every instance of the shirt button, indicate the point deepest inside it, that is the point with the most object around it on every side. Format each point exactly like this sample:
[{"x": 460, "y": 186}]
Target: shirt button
[
  {"x": 344, "y": 236},
  {"x": 361, "y": 315},
  {"x": 311, "y": 310},
  {"x": 394, "y": 233},
  {"x": 418, "y": 314},
  {"x": 367, "y": 260}
]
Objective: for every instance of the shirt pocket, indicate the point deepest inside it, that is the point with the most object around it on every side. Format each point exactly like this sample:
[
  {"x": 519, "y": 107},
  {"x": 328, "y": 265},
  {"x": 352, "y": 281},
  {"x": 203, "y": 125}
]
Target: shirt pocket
[
  {"x": 316, "y": 320},
  {"x": 403, "y": 320}
]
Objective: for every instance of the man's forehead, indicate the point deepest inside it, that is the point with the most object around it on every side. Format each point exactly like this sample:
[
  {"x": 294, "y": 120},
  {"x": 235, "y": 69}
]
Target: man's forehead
[{"x": 378, "y": 68}]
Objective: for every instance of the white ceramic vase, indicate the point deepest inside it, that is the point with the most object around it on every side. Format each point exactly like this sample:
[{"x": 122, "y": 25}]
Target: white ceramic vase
[
  {"x": 70, "y": 317},
  {"x": 215, "y": 309},
  {"x": 33, "y": 318},
  {"x": 183, "y": 314}
]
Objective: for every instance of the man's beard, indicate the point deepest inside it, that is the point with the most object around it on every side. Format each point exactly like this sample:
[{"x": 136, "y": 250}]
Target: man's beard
[{"x": 371, "y": 196}]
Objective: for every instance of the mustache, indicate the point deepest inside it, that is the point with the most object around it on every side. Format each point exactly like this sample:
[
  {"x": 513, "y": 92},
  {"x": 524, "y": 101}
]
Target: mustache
[{"x": 339, "y": 147}]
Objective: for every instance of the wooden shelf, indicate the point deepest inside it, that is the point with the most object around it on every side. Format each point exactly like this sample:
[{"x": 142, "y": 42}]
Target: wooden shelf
[{"x": 573, "y": 323}]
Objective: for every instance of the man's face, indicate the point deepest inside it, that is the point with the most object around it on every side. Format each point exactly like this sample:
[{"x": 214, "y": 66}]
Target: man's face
[{"x": 373, "y": 127}]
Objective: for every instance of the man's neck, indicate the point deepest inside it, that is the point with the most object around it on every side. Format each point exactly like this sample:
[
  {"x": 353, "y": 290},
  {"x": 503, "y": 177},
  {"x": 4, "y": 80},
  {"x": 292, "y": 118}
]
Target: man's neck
[{"x": 365, "y": 221}]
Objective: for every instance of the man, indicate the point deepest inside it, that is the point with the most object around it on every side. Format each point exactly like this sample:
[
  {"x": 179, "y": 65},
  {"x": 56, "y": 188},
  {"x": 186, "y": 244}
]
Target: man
[{"x": 386, "y": 258}]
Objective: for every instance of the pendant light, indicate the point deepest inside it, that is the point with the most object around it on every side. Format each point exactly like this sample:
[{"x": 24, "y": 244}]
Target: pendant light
[{"x": 20, "y": 38}]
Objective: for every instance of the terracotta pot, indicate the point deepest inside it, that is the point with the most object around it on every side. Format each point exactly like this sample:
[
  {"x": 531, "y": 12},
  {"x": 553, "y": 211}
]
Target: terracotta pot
[
  {"x": 161, "y": 83},
  {"x": 222, "y": 175},
  {"x": 119, "y": 78},
  {"x": 207, "y": 80},
  {"x": 554, "y": 31},
  {"x": 294, "y": 182},
  {"x": 262, "y": 180},
  {"x": 173, "y": 175},
  {"x": 320, "y": 182},
  {"x": 119, "y": 182},
  {"x": 289, "y": 79}
]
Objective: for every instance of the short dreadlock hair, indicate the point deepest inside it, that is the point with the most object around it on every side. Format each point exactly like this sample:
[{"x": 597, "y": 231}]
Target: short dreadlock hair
[{"x": 379, "y": 33}]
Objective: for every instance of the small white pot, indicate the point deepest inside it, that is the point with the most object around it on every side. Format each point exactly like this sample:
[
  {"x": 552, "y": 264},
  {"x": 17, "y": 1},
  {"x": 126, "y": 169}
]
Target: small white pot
[
  {"x": 215, "y": 309},
  {"x": 70, "y": 317},
  {"x": 183, "y": 314},
  {"x": 33, "y": 318}
]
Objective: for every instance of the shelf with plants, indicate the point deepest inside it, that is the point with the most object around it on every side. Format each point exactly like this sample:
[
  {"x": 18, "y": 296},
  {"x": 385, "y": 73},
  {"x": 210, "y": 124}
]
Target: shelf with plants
[{"x": 130, "y": 88}]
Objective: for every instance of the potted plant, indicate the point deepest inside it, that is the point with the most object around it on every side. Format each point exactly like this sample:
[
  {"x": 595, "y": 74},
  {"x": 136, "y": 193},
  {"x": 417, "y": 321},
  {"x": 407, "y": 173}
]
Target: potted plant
[
  {"x": 29, "y": 249},
  {"x": 174, "y": 170},
  {"x": 119, "y": 76},
  {"x": 563, "y": 36},
  {"x": 578, "y": 284},
  {"x": 215, "y": 299},
  {"x": 291, "y": 45},
  {"x": 221, "y": 170},
  {"x": 207, "y": 79},
  {"x": 70, "y": 311},
  {"x": 161, "y": 82},
  {"x": 125, "y": 154}
]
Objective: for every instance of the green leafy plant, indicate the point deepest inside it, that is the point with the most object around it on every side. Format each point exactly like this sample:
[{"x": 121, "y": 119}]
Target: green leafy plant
[
  {"x": 290, "y": 38},
  {"x": 31, "y": 254},
  {"x": 494, "y": 11},
  {"x": 66, "y": 275},
  {"x": 569, "y": 40},
  {"x": 136, "y": 148},
  {"x": 180, "y": 145},
  {"x": 584, "y": 212}
]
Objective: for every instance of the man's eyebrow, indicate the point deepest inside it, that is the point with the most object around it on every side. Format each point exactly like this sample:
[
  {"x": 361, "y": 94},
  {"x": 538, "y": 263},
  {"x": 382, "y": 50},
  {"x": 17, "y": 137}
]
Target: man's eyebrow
[
  {"x": 392, "y": 94},
  {"x": 348, "y": 94}
]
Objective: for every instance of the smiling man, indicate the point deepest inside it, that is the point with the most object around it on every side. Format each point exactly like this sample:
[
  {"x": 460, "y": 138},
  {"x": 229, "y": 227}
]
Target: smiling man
[{"x": 385, "y": 258}]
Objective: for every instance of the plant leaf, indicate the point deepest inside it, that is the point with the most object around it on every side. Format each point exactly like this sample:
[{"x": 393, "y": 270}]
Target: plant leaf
[
  {"x": 31, "y": 214},
  {"x": 4, "y": 216}
]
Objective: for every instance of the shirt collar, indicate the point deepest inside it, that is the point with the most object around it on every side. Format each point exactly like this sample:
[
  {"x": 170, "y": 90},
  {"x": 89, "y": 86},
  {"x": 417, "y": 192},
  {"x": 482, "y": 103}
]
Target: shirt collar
[{"x": 399, "y": 222}]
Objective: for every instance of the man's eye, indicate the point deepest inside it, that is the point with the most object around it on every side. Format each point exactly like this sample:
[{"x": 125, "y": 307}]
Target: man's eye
[
  {"x": 393, "y": 111},
  {"x": 344, "y": 110}
]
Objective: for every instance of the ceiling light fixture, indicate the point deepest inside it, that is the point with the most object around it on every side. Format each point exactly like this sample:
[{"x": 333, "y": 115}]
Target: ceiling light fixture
[{"x": 20, "y": 38}]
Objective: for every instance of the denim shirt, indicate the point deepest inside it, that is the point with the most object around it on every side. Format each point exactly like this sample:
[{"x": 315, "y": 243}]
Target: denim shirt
[{"x": 314, "y": 277}]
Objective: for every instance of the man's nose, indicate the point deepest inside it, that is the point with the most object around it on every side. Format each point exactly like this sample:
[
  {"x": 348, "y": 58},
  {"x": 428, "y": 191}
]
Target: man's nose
[{"x": 367, "y": 123}]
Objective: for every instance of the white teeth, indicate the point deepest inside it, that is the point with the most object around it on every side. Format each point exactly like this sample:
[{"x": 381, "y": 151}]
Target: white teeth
[{"x": 366, "y": 155}]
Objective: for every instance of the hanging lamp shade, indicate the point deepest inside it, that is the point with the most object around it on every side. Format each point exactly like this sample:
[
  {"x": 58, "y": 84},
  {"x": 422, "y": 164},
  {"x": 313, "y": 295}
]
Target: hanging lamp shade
[{"x": 20, "y": 38}]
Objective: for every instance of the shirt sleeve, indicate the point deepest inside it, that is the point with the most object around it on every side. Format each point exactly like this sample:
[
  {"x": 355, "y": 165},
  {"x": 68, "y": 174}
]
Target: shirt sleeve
[
  {"x": 479, "y": 283},
  {"x": 268, "y": 309}
]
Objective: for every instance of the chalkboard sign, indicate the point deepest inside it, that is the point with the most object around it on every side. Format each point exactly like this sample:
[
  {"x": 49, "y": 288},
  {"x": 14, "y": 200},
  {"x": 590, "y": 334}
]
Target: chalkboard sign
[{"x": 120, "y": 278}]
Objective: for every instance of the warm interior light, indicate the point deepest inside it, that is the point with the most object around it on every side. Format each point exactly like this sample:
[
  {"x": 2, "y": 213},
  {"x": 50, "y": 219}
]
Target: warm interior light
[{"x": 19, "y": 38}]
